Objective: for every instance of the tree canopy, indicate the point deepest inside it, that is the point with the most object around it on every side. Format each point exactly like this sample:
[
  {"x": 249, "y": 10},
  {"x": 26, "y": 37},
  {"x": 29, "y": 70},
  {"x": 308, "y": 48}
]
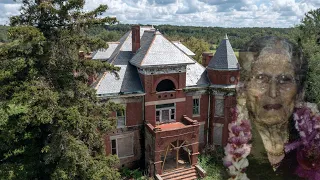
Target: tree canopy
[
  {"x": 309, "y": 38},
  {"x": 51, "y": 123}
]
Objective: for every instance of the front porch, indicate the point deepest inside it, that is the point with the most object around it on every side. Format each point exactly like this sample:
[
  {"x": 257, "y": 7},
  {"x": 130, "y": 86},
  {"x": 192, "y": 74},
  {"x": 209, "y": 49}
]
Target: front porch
[{"x": 172, "y": 146}]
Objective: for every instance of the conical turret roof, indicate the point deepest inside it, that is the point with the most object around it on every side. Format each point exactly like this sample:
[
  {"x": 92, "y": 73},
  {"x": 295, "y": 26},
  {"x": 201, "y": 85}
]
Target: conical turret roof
[{"x": 224, "y": 58}]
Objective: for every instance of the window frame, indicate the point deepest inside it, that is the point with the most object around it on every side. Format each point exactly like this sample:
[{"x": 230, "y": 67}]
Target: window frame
[
  {"x": 193, "y": 106},
  {"x": 115, "y": 138},
  {"x": 124, "y": 118},
  {"x": 221, "y": 99},
  {"x": 169, "y": 108}
]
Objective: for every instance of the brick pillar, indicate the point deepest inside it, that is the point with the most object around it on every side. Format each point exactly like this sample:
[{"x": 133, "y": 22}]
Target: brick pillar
[
  {"x": 206, "y": 57},
  {"x": 157, "y": 163},
  {"x": 135, "y": 38}
]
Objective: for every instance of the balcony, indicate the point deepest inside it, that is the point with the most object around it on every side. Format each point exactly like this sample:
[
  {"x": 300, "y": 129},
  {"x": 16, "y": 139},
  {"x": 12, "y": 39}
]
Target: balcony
[
  {"x": 175, "y": 129},
  {"x": 174, "y": 137}
]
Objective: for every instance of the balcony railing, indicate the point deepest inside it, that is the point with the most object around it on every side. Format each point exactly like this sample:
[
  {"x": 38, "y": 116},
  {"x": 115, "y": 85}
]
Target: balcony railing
[{"x": 169, "y": 130}]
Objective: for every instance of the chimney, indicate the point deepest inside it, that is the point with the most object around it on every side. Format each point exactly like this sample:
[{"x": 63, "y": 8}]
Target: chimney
[
  {"x": 206, "y": 57},
  {"x": 135, "y": 38}
]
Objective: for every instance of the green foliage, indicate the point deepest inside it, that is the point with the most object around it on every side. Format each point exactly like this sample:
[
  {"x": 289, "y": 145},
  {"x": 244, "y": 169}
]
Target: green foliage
[
  {"x": 101, "y": 32},
  {"x": 211, "y": 162},
  {"x": 135, "y": 174},
  {"x": 51, "y": 122},
  {"x": 3, "y": 32},
  {"x": 313, "y": 88},
  {"x": 309, "y": 38},
  {"x": 212, "y": 35},
  {"x": 198, "y": 46}
]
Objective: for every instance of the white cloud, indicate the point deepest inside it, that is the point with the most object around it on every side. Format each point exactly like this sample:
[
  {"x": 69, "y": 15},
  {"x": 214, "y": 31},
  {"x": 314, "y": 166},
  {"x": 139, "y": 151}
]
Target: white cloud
[{"x": 225, "y": 13}]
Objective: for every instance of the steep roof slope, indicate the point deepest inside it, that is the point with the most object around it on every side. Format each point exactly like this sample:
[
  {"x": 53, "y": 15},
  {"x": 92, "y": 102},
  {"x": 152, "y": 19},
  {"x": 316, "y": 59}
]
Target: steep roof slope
[
  {"x": 183, "y": 48},
  {"x": 224, "y": 58},
  {"x": 156, "y": 50}
]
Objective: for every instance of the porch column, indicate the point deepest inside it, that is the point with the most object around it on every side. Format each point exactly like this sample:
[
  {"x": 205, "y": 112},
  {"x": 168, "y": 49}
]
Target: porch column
[
  {"x": 195, "y": 153},
  {"x": 157, "y": 162}
]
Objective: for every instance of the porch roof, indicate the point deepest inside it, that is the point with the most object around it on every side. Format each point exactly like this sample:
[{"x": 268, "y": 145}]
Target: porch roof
[{"x": 171, "y": 126}]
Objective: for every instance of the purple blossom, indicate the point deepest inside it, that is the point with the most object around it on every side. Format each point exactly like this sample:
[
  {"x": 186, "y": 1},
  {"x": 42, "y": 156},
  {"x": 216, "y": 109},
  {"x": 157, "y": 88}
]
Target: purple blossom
[
  {"x": 237, "y": 148},
  {"x": 308, "y": 154}
]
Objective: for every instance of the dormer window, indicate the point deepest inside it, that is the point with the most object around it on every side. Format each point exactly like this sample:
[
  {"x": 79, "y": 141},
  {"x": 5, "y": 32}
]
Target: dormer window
[{"x": 165, "y": 85}]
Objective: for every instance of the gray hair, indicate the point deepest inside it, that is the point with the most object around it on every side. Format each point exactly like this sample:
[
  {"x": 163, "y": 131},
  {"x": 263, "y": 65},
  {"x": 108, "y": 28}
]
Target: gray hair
[{"x": 263, "y": 45}]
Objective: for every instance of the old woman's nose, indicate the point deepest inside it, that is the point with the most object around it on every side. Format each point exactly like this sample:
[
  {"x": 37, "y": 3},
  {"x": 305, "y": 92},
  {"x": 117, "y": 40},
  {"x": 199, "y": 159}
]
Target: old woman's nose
[{"x": 273, "y": 89}]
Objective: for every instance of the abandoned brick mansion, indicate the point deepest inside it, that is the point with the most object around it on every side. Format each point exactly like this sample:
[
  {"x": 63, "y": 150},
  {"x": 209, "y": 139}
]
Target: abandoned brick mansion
[{"x": 174, "y": 106}]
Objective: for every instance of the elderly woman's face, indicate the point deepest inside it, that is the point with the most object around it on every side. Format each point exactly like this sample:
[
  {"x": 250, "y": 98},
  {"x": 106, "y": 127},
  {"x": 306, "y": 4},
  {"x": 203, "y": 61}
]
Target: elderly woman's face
[{"x": 272, "y": 89}]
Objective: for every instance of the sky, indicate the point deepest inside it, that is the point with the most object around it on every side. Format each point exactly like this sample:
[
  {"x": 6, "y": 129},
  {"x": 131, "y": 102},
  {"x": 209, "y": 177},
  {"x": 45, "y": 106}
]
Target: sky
[{"x": 221, "y": 13}]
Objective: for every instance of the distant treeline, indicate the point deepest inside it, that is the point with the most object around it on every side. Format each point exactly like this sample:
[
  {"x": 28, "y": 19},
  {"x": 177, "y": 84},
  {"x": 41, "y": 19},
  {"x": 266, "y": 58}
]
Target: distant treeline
[{"x": 212, "y": 35}]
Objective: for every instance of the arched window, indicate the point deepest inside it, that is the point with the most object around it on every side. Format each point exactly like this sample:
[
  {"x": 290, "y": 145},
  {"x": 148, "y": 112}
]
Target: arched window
[{"x": 165, "y": 85}]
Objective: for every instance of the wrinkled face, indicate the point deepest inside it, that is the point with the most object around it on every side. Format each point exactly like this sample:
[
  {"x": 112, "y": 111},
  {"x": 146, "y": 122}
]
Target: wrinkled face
[{"x": 271, "y": 90}]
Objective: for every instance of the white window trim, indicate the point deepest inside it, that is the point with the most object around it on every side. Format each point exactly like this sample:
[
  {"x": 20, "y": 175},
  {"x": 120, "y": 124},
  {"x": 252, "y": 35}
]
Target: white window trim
[
  {"x": 199, "y": 98},
  {"x": 166, "y": 108},
  {"x": 117, "y": 147},
  {"x": 220, "y": 98},
  {"x": 125, "y": 118}
]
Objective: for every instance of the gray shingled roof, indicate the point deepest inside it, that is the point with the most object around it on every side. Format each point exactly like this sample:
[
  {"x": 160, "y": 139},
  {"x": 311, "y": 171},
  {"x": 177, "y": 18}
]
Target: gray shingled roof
[
  {"x": 124, "y": 82},
  {"x": 156, "y": 50},
  {"x": 224, "y": 58},
  {"x": 153, "y": 47},
  {"x": 105, "y": 54},
  {"x": 183, "y": 48},
  {"x": 196, "y": 75},
  {"x": 127, "y": 79}
]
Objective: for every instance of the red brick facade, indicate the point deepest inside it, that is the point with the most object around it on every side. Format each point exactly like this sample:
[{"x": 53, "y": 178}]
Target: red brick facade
[
  {"x": 223, "y": 77},
  {"x": 181, "y": 120},
  {"x": 145, "y": 111}
]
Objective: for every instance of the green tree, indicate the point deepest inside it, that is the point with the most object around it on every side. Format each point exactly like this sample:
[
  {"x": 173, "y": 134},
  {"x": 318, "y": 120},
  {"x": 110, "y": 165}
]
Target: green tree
[
  {"x": 51, "y": 123},
  {"x": 198, "y": 46},
  {"x": 308, "y": 37}
]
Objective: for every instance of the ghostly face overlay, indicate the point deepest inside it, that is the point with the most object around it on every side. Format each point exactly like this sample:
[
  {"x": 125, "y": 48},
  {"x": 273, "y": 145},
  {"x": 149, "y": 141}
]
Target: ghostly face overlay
[{"x": 271, "y": 91}]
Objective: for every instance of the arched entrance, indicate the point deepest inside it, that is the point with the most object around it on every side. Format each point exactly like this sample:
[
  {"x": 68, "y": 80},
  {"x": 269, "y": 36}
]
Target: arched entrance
[{"x": 177, "y": 154}]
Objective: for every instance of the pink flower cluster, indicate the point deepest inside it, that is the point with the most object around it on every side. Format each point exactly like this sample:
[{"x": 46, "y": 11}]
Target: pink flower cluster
[
  {"x": 308, "y": 146},
  {"x": 238, "y": 148}
]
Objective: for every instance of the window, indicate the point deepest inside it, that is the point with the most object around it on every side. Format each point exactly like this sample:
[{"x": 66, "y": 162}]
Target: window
[
  {"x": 219, "y": 107},
  {"x": 113, "y": 147},
  {"x": 196, "y": 106},
  {"x": 165, "y": 112},
  {"x": 121, "y": 118},
  {"x": 165, "y": 85},
  {"x": 122, "y": 145}
]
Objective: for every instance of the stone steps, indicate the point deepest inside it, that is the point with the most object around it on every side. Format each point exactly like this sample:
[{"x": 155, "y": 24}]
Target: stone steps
[{"x": 181, "y": 173}]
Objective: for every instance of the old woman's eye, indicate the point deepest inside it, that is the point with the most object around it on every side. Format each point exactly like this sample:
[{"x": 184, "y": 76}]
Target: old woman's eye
[
  {"x": 261, "y": 78},
  {"x": 285, "y": 79}
]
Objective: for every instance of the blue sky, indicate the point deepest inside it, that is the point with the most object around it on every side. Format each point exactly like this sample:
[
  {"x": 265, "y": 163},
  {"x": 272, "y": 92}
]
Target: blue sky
[{"x": 222, "y": 13}]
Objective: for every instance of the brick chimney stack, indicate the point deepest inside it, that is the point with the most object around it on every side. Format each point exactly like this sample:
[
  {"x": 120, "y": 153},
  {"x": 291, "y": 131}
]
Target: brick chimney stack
[
  {"x": 135, "y": 38},
  {"x": 206, "y": 57}
]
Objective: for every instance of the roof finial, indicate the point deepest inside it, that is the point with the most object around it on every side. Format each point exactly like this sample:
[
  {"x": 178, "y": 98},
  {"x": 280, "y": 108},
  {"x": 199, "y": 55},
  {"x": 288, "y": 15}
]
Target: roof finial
[{"x": 226, "y": 36}]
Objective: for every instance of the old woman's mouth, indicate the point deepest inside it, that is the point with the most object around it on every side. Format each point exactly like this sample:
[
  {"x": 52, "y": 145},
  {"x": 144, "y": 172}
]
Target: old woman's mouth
[{"x": 272, "y": 107}]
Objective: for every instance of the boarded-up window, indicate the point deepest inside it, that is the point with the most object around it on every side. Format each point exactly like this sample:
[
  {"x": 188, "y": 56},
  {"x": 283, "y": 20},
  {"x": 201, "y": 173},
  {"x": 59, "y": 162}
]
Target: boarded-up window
[
  {"x": 201, "y": 133},
  {"x": 219, "y": 108},
  {"x": 217, "y": 135},
  {"x": 124, "y": 145}
]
